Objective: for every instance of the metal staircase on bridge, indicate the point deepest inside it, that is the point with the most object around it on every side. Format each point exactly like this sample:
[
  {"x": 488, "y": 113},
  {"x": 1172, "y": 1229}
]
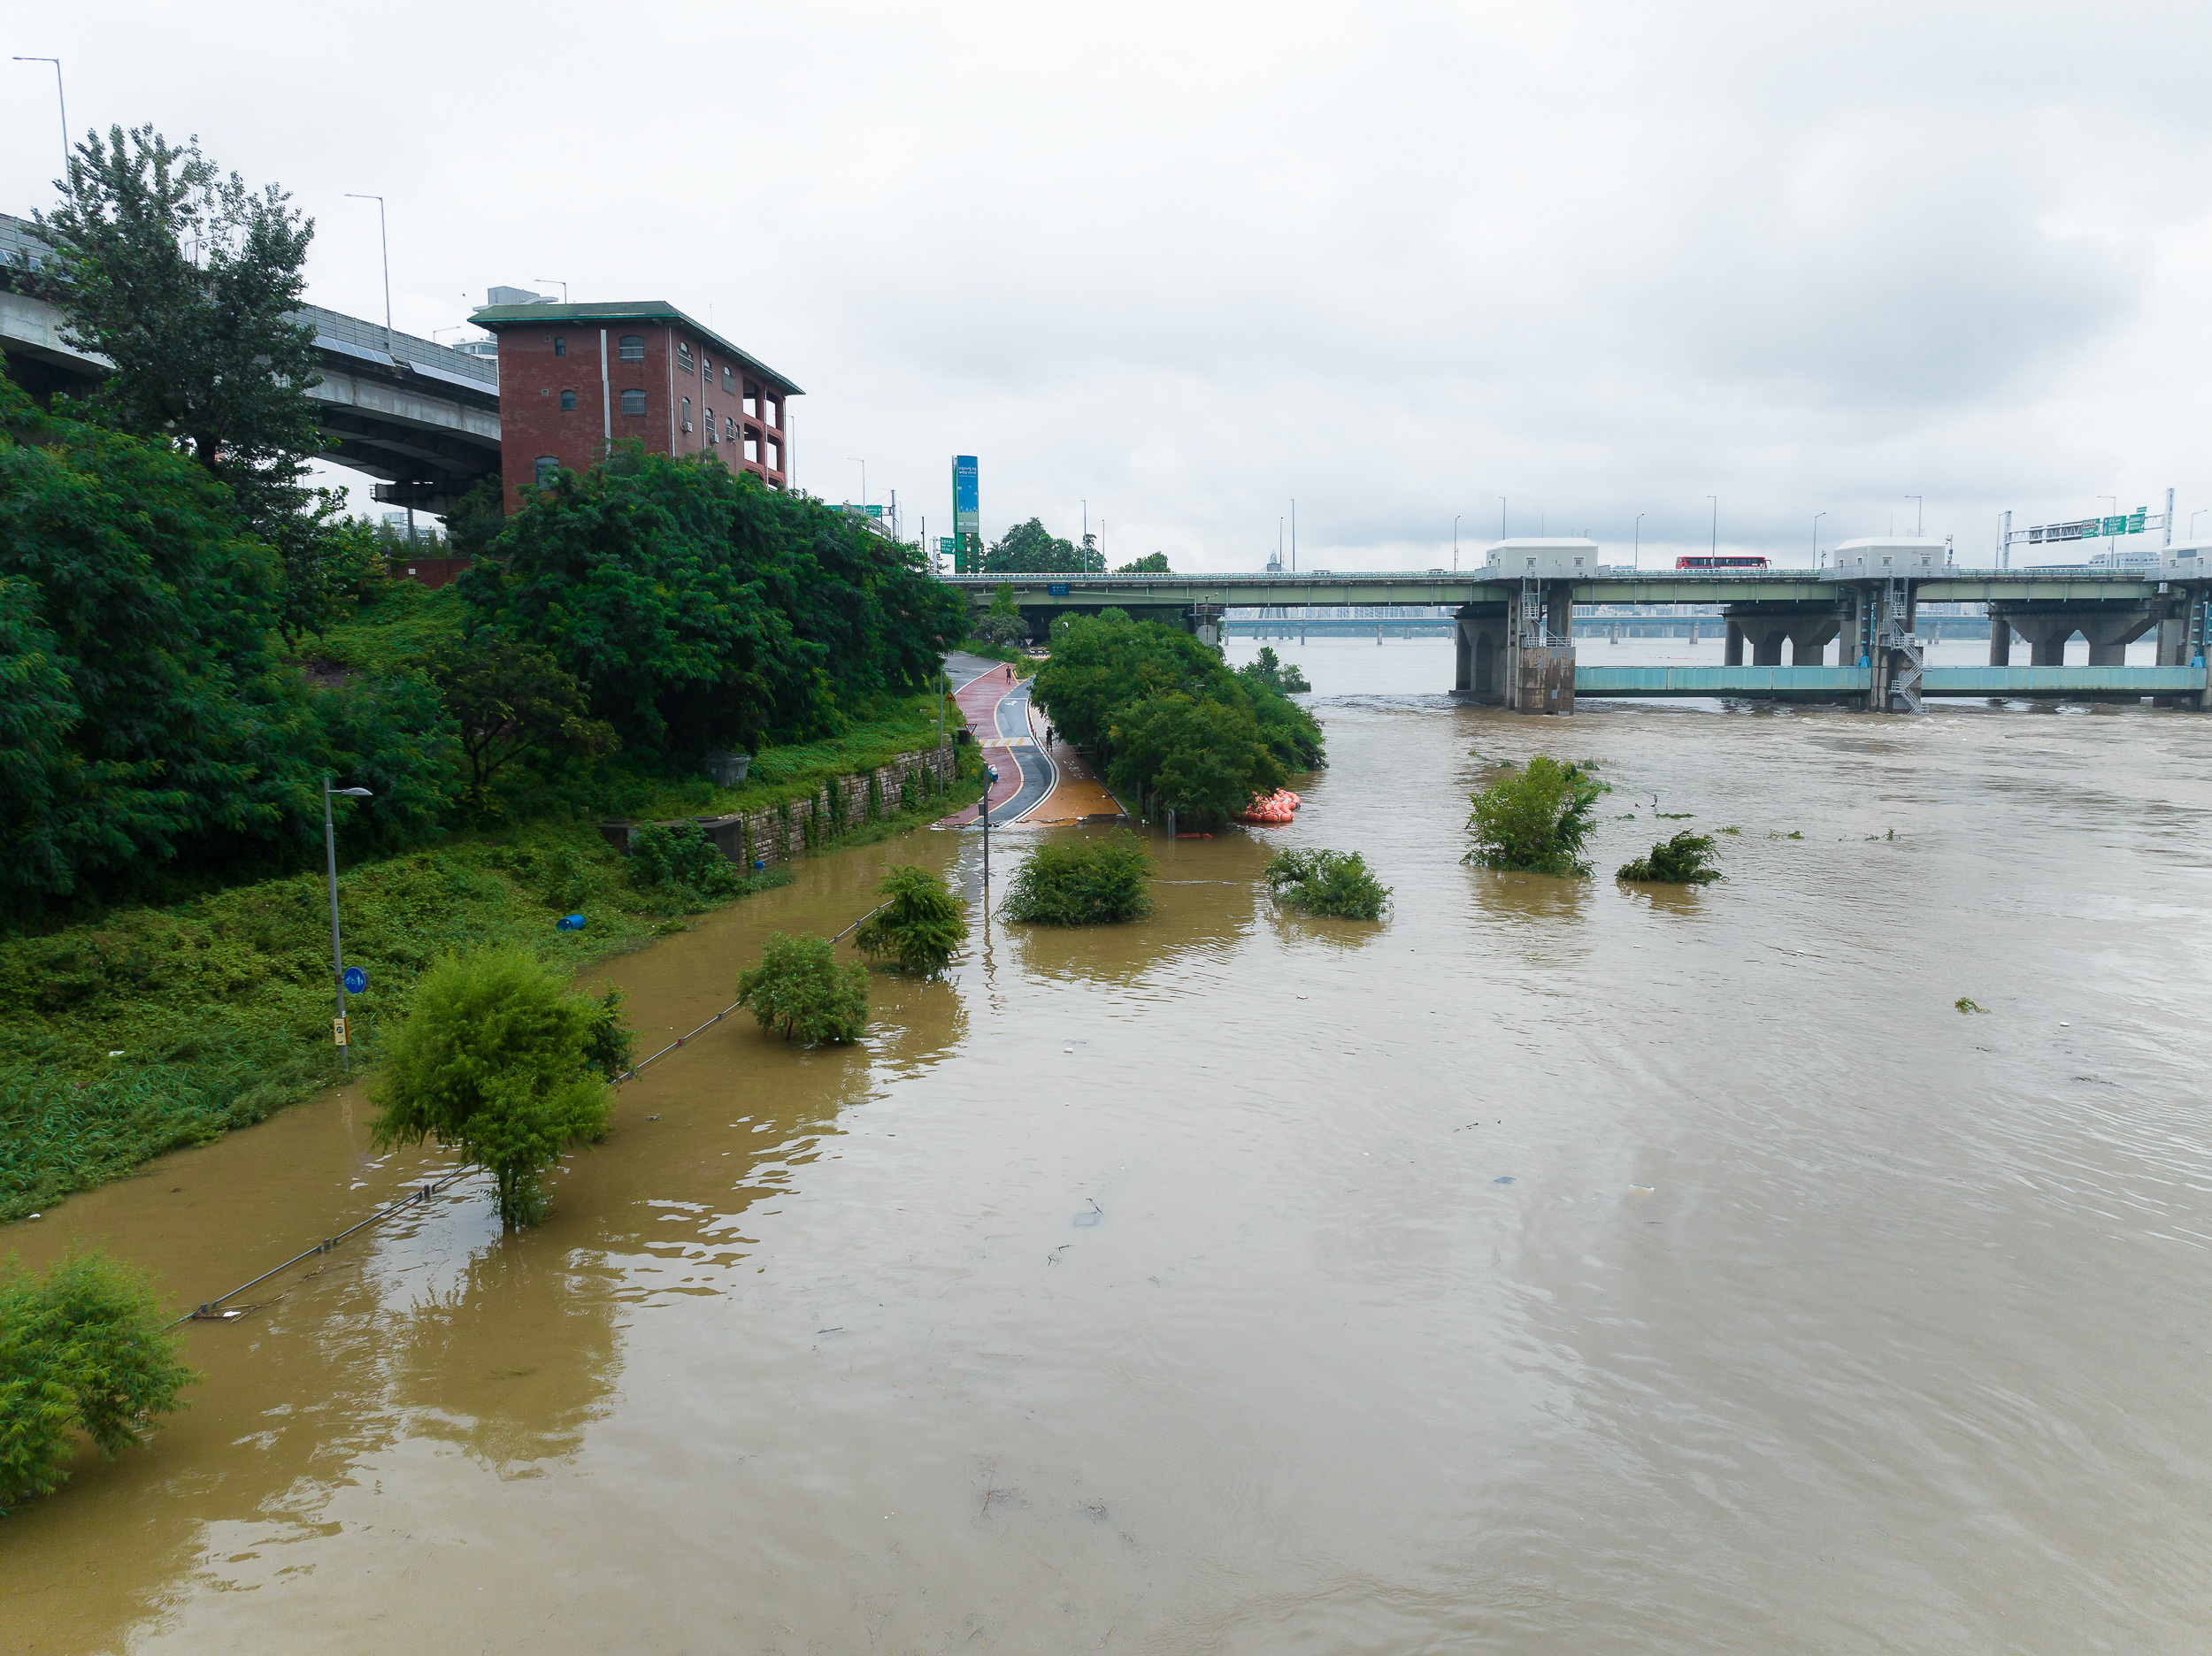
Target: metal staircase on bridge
[{"x": 1904, "y": 684}]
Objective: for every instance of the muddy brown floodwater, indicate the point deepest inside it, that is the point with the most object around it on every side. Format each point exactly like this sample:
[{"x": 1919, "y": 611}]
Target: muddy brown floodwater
[{"x": 1553, "y": 1268}]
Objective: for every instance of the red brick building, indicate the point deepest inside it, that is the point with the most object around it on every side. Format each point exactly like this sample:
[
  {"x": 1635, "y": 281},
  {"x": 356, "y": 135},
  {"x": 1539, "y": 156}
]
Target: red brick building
[{"x": 575, "y": 378}]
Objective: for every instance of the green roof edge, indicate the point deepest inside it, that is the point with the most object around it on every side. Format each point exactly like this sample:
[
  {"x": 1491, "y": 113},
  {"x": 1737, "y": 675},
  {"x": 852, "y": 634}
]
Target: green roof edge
[{"x": 494, "y": 316}]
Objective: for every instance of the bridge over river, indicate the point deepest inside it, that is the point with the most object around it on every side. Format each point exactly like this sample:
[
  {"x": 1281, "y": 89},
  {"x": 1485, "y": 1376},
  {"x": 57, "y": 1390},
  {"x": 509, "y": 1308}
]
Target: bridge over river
[{"x": 1515, "y": 637}]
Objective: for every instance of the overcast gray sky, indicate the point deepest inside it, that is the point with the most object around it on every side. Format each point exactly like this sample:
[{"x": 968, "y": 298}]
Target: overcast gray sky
[{"x": 1189, "y": 262}]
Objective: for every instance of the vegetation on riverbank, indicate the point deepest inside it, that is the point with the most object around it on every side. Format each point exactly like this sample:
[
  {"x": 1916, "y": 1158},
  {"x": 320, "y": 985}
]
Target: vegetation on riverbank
[
  {"x": 1334, "y": 884},
  {"x": 1535, "y": 819},
  {"x": 496, "y": 1059},
  {"x": 1082, "y": 882},
  {"x": 920, "y": 927},
  {"x": 1684, "y": 860},
  {"x": 800, "y": 991},
  {"x": 1168, "y": 717},
  {"x": 83, "y": 1352}
]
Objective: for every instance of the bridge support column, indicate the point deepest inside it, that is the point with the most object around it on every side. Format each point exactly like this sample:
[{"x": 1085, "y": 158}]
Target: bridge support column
[
  {"x": 1809, "y": 640},
  {"x": 2000, "y": 642},
  {"x": 1479, "y": 652},
  {"x": 1733, "y": 656}
]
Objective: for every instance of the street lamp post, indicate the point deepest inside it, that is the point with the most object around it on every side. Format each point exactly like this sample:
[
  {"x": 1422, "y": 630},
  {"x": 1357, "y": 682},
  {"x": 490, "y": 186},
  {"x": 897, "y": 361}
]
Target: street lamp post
[
  {"x": 1456, "y": 517},
  {"x": 62, "y": 97},
  {"x": 557, "y": 282},
  {"x": 1636, "y": 546},
  {"x": 863, "y": 465},
  {"x": 2109, "y": 547},
  {"x": 337, "y": 953},
  {"x": 384, "y": 242},
  {"x": 2194, "y": 517},
  {"x": 1817, "y": 517}
]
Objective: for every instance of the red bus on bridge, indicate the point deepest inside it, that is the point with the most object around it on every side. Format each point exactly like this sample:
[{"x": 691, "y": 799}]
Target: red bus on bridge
[{"x": 1720, "y": 563}]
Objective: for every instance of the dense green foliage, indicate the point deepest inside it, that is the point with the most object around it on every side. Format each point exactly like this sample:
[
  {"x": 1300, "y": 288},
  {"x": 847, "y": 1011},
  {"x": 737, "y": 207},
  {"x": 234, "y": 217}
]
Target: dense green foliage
[
  {"x": 1684, "y": 860},
  {"x": 800, "y": 991},
  {"x": 152, "y": 732},
  {"x": 1170, "y": 719},
  {"x": 1282, "y": 677},
  {"x": 496, "y": 1060},
  {"x": 1031, "y": 549},
  {"x": 1535, "y": 820},
  {"x": 920, "y": 927},
  {"x": 507, "y": 698},
  {"x": 703, "y": 610},
  {"x": 1150, "y": 564},
  {"x": 1082, "y": 882},
  {"x": 189, "y": 284},
  {"x": 82, "y": 1349},
  {"x": 1336, "y": 883}
]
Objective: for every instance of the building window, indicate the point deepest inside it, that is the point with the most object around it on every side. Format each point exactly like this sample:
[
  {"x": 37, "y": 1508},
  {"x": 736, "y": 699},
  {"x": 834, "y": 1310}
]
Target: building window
[
  {"x": 683, "y": 355},
  {"x": 752, "y": 402},
  {"x": 560, "y": 346},
  {"x": 711, "y": 436},
  {"x": 634, "y": 401},
  {"x": 686, "y": 413},
  {"x": 729, "y": 429},
  {"x": 727, "y": 383},
  {"x": 633, "y": 348},
  {"x": 568, "y": 399},
  {"x": 548, "y": 465}
]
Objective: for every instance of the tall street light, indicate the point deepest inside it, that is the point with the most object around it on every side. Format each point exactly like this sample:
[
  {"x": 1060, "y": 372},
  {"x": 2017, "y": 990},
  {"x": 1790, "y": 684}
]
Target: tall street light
[
  {"x": 384, "y": 242},
  {"x": 1716, "y": 500},
  {"x": 557, "y": 282},
  {"x": 863, "y": 465},
  {"x": 1500, "y": 517},
  {"x": 1456, "y": 517},
  {"x": 337, "y": 954},
  {"x": 1636, "y": 546},
  {"x": 63, "y": 99},
  {"x": 1817, "y": 517}
]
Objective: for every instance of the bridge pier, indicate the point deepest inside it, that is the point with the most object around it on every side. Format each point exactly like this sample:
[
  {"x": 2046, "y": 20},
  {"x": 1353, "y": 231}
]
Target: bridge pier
[
  {"x": 2049, "y": 629},
  {"x": 1540, "y": 646},
  {"x": 1807, "y": 628},
  {"x": 1480, "y": 634}
]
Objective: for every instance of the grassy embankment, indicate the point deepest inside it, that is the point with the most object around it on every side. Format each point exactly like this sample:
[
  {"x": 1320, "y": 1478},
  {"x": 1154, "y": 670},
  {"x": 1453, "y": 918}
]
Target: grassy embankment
[{"x": 136, "y": 1031}]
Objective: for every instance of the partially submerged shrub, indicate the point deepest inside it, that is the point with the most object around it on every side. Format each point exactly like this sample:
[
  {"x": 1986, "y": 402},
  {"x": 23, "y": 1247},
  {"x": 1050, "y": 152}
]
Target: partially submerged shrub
[
  {"x": 1083, "y": 882},
  {"x": 1332, "y": 883},
  {"x": 498, "y": 1061},
  {"x": 921, "y": 926},
  {"x": 681, "y": 865},
  {"x": 799, "y": 991},
  {"x": 82, "y": 1349},
  {"x": 1684, "y": 860},
  {"x": 1535, "y": 820}
]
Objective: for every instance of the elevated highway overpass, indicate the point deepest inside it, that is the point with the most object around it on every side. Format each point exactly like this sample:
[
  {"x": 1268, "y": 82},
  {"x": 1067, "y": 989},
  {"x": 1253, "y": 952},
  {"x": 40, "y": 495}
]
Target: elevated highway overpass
[{"x": 421, "y": 418}]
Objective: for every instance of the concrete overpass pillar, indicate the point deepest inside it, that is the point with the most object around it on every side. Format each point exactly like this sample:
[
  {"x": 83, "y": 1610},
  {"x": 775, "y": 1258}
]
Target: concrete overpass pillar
[
  {"x": 1732, "y": 655},
  {"x": 1809, "y": 640},
  {"x": 2000, "y": 642}
]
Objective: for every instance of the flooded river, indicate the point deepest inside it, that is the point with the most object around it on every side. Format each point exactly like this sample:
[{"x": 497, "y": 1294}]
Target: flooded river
[{"x": 1553, "y": 1268}]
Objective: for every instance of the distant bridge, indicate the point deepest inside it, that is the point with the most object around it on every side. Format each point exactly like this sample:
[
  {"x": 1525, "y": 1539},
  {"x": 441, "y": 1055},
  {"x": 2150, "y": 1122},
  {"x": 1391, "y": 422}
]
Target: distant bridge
[
  {"x": 420, "y": 415},
  {"x": 1515, "y": 637}
]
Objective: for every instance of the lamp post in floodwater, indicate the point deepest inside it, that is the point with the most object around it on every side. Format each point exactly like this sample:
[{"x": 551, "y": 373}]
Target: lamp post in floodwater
[
  {"x": 337, "y": 956},
  {"x": 990, "y": 776}
]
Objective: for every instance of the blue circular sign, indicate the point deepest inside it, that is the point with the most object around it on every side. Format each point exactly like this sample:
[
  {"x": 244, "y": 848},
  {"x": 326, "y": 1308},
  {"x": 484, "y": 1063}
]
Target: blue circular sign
[{"x": 356, "y": 980}]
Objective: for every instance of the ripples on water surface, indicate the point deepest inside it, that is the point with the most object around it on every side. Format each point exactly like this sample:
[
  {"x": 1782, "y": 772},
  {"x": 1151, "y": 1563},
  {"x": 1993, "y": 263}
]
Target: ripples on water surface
[{"x": 1554, "y": 1269}]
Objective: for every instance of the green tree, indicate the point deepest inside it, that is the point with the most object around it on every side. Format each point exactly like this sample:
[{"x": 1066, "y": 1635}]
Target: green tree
[
  {"x": 799, "y": 991},
  {"x": 496, "y": 1060},
  {"x": 160, "y": 732},
  {"x": 1151, "y": 564},
  {"x": 331, "y": 562},
  {"x": 82, "y": 1349},
  {"x": 1684, "y": 860},
  {"x": 1535, "y": 820},
  {"x": 1082, "y": 882},
  {"x": 190, "y": 284},
  {"x": 701, "y": 609},
  {"x": 1206, "y": 758},
  {"x": 1336, "y": 883},
  {"x": 509, "y": 698},
  {"x": 1030, "y": 548},
  {"x": 920, "y": 927},
  {"x": 680, "y": 866},
  {"x": 1269, "y": 671}
]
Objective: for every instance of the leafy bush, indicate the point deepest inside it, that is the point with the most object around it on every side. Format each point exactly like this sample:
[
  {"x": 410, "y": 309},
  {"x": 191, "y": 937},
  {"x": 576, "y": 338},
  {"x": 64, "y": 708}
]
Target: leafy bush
[
  {"x": 680, "y": 865},
  {"x": 611, "y": 1045},
  {"x": 1082, "y": 882},
  {"x": 800, "y": 990},
  {"x": 1332, "y": 883},
  {"x": 1535, "y": 820},
  {"x": 1282, "y": 677},
  {"x": 82, "y": 1349},
  {"x": 919, "y": 928},
  {"x": 1684, "y": 860},
  {"x": 498, "y": 1061}
]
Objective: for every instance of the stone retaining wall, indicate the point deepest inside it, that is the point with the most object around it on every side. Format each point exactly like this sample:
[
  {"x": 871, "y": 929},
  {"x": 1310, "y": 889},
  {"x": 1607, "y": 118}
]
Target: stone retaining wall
[{"x": 779, "y": 832}]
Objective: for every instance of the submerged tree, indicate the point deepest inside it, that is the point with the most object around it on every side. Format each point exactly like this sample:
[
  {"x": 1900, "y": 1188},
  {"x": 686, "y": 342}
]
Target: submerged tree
[
  {"x": 499, "y": 1061},
  {"x": 800, "y": 991},
  {"x": 82, "y": 1349},
  {"x": 1083, "y": 882},
  {"x": 1277, "y": 675},
  {"x": 1535, "y": 820},
  {"x": 1336, "y": 883},
  {"x": 1684, "y": 860},
  {"x": 919, "y": 928}
]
